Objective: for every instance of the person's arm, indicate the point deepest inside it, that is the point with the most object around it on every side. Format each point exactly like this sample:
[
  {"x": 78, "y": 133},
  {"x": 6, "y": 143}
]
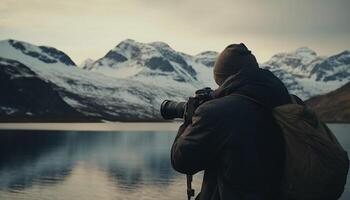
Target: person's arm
[{"x": 196, "y": 144}]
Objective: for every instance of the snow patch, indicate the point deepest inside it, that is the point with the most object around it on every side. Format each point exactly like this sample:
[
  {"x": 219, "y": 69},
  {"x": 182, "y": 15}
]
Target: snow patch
[{"x": 8, "y": 110}]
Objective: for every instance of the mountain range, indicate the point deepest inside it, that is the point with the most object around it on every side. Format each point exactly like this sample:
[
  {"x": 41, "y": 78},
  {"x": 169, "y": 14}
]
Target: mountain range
[{"x": 132, "y": 79}]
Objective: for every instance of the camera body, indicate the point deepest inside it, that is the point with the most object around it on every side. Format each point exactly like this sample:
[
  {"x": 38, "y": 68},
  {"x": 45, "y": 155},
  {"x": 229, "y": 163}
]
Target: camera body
[{"x": 171, "y": 109}]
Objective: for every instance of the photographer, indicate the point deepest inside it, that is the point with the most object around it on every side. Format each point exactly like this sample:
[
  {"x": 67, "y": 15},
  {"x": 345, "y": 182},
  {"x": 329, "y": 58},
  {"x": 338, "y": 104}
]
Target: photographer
[{"x": 232, "y": 138}]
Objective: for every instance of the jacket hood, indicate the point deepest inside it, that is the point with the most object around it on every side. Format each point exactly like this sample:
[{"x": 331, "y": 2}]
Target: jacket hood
[
  {"x": 259, "y": 84},
  {"x": 231, "y": 60}
]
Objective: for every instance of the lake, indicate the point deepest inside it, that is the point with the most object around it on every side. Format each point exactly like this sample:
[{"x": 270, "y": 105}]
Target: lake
[{"x": 97, "y": 164}]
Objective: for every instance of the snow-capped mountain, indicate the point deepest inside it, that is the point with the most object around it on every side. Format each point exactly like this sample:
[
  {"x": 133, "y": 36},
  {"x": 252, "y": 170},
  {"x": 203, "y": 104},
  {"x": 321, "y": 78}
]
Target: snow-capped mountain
[
  {"x": 207, "y": 58},
  {"x": 300, "y": 70},
  {"x": 140, "y": 61},
  {"x": 300, "y": 62},
  {"x": 306, "y": 74},
  {"x": 43, "y": 54},
  {"x": 26, "y": 96},
  {"x": 133, "y": 78},
  {"x": 304, "y": 63},
  {"x": 334, "y": 68},
  {"x": 92, "y": 94}
]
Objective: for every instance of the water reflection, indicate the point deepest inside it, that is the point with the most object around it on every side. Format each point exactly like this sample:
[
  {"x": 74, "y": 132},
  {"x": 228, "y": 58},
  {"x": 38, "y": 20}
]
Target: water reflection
[
  {"x": 97, "y": 165},
  {"x": 128, "y": 159},
  {"x": 26, "y": 159}
]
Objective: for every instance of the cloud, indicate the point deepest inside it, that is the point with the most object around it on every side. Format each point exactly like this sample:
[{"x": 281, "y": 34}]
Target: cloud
[
  {"x": 256, "y": 16},
  {"x": 189, "y": 25}
]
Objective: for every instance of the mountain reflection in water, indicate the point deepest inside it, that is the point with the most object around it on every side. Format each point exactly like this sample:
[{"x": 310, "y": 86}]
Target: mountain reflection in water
[
  {"x": 129, "y": 160},
  {"x": 95, "y": 165}
]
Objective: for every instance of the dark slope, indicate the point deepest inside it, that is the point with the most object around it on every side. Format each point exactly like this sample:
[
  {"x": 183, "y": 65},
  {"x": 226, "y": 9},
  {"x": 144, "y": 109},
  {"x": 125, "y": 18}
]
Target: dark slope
[
  {"x": 26, "y": 97},
  {"x": 333, "y": 106}
]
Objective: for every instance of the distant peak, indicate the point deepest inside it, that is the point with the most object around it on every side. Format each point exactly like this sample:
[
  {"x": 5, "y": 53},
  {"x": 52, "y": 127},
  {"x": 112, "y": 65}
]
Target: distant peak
[
  {"x": 86, "y": 63},
  {"x": 128, "y": 40},
  {"x": 305, "y": 50},
  {"x": 45, "y": 54},
  {"x": 17, "y": 43},
  {"x": 126, "y": 43},
  {"x": 159, "y": 44},
  {"x": 11, "y": 40},
  {"x": 346, "y": 52},
  {"x": 207, "y": 53}
]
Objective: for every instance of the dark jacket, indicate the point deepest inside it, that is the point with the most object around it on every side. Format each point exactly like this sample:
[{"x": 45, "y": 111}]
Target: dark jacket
[{"x": 235, "y": 140}]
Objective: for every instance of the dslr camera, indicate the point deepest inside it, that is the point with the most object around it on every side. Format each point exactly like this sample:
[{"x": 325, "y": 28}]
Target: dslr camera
[{"x": 185, "y": 110}]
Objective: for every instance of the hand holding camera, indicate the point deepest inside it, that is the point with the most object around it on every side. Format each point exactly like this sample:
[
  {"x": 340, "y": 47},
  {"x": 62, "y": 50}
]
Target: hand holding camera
[{"x": 185, "y": 110}]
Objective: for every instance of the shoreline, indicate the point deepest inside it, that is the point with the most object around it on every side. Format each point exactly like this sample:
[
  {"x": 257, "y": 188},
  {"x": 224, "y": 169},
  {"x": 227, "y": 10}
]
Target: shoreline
[
  {"x": 99, "y": 126},
  {"x": 106, "y": 126}
]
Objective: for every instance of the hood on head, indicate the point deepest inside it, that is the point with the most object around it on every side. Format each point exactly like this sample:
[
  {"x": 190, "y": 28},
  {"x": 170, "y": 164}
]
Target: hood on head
[
  {"x": 231, "y": 60},
  {"x": 259, "y": 84}
]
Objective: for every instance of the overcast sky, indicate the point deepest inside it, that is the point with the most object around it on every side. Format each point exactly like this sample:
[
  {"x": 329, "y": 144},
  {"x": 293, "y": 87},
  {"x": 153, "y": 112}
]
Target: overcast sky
[{"x": 89, "y": 28}]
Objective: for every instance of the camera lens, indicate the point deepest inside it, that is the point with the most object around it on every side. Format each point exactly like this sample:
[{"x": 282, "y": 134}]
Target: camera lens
[{"x": 172, "y": 109}]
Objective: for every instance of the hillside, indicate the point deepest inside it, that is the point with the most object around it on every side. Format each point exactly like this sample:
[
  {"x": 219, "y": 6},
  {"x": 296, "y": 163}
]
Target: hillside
[
  {"x": 29, "y": 98},
  {"x": 333, "y": 106}
]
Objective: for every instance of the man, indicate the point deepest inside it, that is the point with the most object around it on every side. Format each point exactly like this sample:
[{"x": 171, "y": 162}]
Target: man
[{"x": 233, "y": 137}]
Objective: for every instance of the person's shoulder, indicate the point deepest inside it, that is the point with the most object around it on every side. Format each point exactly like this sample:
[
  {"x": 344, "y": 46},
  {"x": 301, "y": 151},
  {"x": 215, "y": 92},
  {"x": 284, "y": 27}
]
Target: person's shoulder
[{"x": 229, "y": 103}]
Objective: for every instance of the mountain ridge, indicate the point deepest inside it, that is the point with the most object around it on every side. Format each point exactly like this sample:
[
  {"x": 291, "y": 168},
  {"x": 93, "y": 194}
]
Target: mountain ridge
[{"x": 131, "y": 80}]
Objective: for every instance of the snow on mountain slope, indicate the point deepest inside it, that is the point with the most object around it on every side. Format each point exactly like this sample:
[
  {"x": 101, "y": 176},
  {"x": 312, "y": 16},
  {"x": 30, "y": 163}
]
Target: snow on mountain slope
[
  {"x": 95, "y": 94},
  {"x": 207, "y": 58},
  {"x": 306, "y": 74},
  {"x": 299, "y": 63},
  {"x": 154, "y": 63},
  {"x": 26, "y": 96},
  {"x": 86, "y": 64},
  {"x": 158, "y": 63},
  {"x": 334, "y": 68},
  {"x": 37, "y": 54},
  {"x": 132, "y": 79},
  {"x": 204, "y": 72}
]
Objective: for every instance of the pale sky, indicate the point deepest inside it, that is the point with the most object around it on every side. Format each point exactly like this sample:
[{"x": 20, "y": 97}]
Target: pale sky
[{"x": 89, "y": 28}]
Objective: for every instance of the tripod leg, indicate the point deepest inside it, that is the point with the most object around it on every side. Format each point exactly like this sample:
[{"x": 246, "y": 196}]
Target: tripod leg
[{"x": 190, "y": 191}]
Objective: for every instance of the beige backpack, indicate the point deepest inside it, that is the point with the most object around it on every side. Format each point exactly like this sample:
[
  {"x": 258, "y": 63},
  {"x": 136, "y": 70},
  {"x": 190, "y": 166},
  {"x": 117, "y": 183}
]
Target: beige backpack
[{"x": 316, "y": 165}]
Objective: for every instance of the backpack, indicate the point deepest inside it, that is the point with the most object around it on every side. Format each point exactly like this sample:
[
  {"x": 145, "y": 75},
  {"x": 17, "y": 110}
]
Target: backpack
[{"x": 316, "y": 165}]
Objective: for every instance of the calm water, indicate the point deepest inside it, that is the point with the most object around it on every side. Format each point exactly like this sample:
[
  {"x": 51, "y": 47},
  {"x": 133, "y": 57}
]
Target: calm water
[{"x": 97, "y": 165}]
